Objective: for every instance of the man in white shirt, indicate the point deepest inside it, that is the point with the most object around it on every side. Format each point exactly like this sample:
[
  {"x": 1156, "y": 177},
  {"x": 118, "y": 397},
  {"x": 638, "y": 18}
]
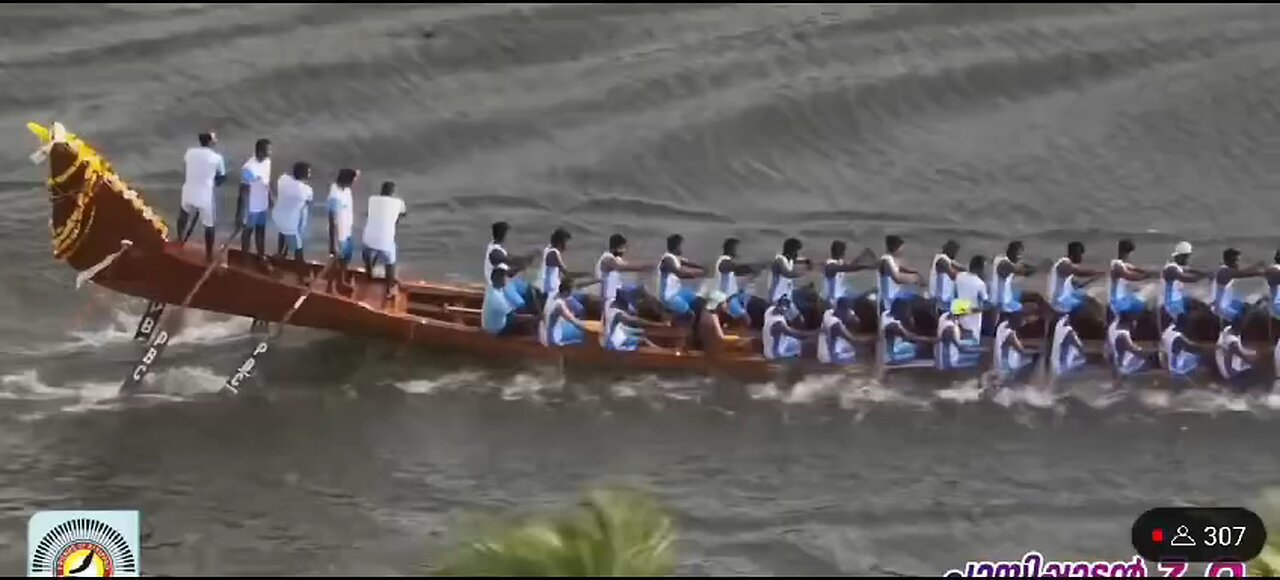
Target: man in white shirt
[
  {"x": 294, "y": 197},
  {"x": 341, "y": 210},
  {"x": 971, "y": 288},
  {"x": 385, "y": 211},
  {"x": 255, "y": 197},
  {"x": 205, "y": 170}
]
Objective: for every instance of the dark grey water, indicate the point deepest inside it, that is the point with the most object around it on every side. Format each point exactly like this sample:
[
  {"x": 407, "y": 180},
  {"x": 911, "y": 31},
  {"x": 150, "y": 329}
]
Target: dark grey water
[{"x": 1046, "y": 123}]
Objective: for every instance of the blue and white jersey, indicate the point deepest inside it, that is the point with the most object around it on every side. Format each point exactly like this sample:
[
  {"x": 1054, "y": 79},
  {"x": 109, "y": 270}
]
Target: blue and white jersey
[
  {"x": 1118, "y": 287},
  {"x": 1006, "y": 358},
  {"x": 610, "y": 282},
  {"x": 1172, "y": 289},
  {"x": 780, "y": 285},
  {"x": 668, "y": 283},
  {"x": 1001, "y": 286},
  {"x": 777, "y": 345},
  {"x": 834, "y": 285},
  {"x": 726, "y": 282},
  {"x": 941, "y": 286},
  {"x": 549, "y": 276},
  {"x": 832, "y": 345},
  {"x": 887, "y": 287},
  {"x": 488, "y": 266},
  {"x": 1223, "y": 294},
  {"x": 1059, "y": 286},
  {"x": 1232, "y": 365}
]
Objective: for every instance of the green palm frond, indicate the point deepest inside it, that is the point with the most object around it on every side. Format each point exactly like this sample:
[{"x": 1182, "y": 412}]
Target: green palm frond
[{"x": 612, "y": 533}]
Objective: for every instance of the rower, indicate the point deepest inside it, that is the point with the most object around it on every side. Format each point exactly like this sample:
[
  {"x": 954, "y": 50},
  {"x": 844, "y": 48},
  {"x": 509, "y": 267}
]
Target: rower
[
  {"x": 1226, "y": 306},
  {"x": 833, "y": 274},
  {"x": 622, "y": 331},
  {"x": 784, "y": 273},
  {"x": 205, "y": 170},
  {"x": 341, "y": 210},
  {"x": 781, "y": 340},
  {"x": 255, "y": 197},
  {"x": 951, "y": 351},
  {"x": 835, "y": 341},
  {"x": 1126, "y": 358},
  {"x": 891, "y": 275},
  {"x": 942, "y": 276},
  {"x": 290, "y": 214},
  {"x": 384, "y": 213},
  {"x": 609, "y": 269},
  {"x": 902, "y": 347},
  {"x": 1233, "y": 358},
  {"x": 1178, "y": 351},
  {"x": 553, "y": 270},
  {"x": 560, "y": 325},
  {"x": 1065, "y": 295},
  {"x": 971, "y": 289},
  {"x": 1011, "y": 359},
  {"x": 672, "y": 269},
  {"x": 1067, "y": 352},
  {"x": 1272, "y": 275},
  {"x": 1120, "y": 298},
  {"x": 1174, "y": 275},
  {"x": 517, "y": 289},
  {"x": 1004, "y": 295},
  {"x": 498, "y": 315},
  {"x": 727, "y": 272}
]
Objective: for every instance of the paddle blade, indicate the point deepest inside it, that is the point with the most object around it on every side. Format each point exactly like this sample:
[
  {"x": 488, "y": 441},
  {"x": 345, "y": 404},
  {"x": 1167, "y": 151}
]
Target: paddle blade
[
  {"x": 154, "y": 349},
  {"x": 245, "y": 370},
  {"x": 147, "y": 324}
]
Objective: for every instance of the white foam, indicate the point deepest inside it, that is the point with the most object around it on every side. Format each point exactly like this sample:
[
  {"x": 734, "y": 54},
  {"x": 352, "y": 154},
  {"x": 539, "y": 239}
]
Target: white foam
[
  {"x": 198, "y": 328},
  {"x": 178, "y": 384}
]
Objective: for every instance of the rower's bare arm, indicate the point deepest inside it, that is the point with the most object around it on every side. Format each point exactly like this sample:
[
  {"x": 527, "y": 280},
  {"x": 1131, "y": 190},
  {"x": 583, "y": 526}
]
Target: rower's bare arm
[
  {"x": 853, "y": 267},
  {"x": 844, "y": 332}
]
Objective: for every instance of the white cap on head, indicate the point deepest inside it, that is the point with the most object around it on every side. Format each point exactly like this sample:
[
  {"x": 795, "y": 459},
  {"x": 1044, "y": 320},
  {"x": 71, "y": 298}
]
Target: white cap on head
[{"x": 1182, "y": 248}]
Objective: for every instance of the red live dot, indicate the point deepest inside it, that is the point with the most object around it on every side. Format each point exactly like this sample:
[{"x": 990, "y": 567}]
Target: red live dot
[{"x": 1157, "y": 536}]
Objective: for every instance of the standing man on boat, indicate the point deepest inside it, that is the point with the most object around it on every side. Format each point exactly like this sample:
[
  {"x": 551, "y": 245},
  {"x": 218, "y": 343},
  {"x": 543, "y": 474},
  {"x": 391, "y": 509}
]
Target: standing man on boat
[
  {"x": 384, "y": 213},
  {"x": 609, "y": 269},
  {"x": 255, "y": 198},
  {"x": 1066, "y": 294},
  {"x": 205, "y": 170},
  {"x": 1004, "y": 294},
  {"x": 554, "y": 270},
  {"x": 833, "y": 274},
  {"x": 835, "y": 340},
  {"x": 781, "y": 340},
  {"x": 341, "y": 210},
  {"x": 892, "y": 275},
  {"x": 1121, "y": 298},
  {"x": 942, "y": 276},
  {"x": 1176, "y": 273},
  {"x": 1226, "y": 306},
  {"x": 290, "y": 213},
  {"x": 672, "y": 270},
  {"x": 517, "y": 289},
  {"x": 971, "y": 289},
  {"x": 560, "y": 325},
  {"x": 783, "y": 276}
]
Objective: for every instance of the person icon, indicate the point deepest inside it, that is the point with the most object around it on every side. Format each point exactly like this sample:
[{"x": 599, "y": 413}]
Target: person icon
[{"x": 1182, "y": 539}]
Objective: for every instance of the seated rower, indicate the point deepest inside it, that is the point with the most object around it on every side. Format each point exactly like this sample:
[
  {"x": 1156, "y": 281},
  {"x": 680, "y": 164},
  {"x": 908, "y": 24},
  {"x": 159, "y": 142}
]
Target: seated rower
[
  {"x": 517, "y": 289},
  {"x": 942, "y": 276},
  {"x": 1272, "y": 275},
  {"x": 951, "y": 351},
  {"x": 783, "y": 273},
  {"x": 1065, "y": 292},
  {"x": 835, "y": 341},
  {"x": 498, "y": 315},
  {"x": 891, "y": 275},
  {"x": 833, "y": 274},
  {"x": 1235, "y": 361},
  {"x": 971, "y": 289},
  {"x": 609, "y": 269},
  {"x": 1120, "y": 298},
  {"x": 1178, "y": 351},
  {"x": 554, "y": 270},
  {"x": 1125, "y": 357},
  {"x": 781, "y": 340},
  {"x": 1011, "y": 359},
  {"x": 672, "y": 270},
  {"x": 901, "y": 346},
  {"x": 1067, "y": 352},
  {"x": 1174, "y": 274},
  {"x": 622, "y": 331},
  {"x": 1225, "y": 305},
  {"x": 560, "y": 325},
  {"x": 727, "y": 272},
  {"x": 1005, "y": 296}
]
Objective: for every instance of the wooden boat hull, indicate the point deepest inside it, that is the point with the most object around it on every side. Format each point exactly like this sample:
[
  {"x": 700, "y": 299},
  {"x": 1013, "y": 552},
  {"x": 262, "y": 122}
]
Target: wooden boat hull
[{"x": 93, "y": 211}]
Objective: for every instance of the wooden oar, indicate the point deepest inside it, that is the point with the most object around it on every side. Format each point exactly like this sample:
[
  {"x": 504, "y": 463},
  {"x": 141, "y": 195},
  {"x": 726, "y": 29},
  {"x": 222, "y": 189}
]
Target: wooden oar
[
  {"x": 245, "y": 370},
  {"x": 158, "y": 342},
  {"x": 147, "y": 324}
]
